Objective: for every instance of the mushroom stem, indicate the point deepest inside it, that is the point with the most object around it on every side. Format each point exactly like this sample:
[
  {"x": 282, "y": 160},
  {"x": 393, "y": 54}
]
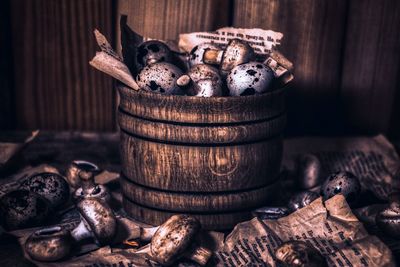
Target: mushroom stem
[
  {"x": 81, "y": 232},
  {"x": 212, "y": 56},
  {"x": 200, "y": 255},
  {"x": 147, "y": 233},
  {"x": 87, "y": 181}
]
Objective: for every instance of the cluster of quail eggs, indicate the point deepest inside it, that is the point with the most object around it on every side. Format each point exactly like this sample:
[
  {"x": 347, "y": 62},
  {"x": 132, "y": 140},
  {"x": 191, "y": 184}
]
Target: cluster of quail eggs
[{"x": 208, "y": 70}]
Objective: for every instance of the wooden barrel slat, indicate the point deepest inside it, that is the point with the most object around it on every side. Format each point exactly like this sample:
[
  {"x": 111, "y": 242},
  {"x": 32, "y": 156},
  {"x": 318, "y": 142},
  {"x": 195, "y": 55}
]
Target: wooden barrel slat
[
  {"x": 218, "y": 221},
  {"x": 198, "y": 202},
  {"x": 183, "y": 168},
  {"x": 200, "y": 134},
  {"x": 210, "y": 110}
]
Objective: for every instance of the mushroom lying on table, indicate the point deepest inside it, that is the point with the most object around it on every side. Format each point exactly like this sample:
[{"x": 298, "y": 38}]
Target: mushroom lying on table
[{"x": 97, "y": 222}]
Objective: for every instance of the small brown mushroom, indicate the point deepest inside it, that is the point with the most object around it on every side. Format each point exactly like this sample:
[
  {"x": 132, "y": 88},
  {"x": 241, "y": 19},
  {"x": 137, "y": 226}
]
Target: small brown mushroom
[
  {"x": 97, "y": 221},
  {"x": 175, "y": 238},
  {"x": 309, "y": 171},
  {"x": 236, "y": 52},
  {"x": 299, "y": 254},
  {"x": 89, "y": 188},
  {"x": 75, "y": 167},
  {"x": 49, "y": 244},
  {"x": 202, "y": 80}
]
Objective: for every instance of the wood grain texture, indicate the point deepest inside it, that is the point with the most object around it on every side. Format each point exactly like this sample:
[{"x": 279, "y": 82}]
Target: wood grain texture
[
  {"x": 198, "y": 202},
  {"x": 313, "y": 39},
  {"x": 7, "y": 113},
  {"x": 55, "y": 87},
  {"x": 193, "y": 168},
  {"x": 200, "y": 134},
  {"x": 217, "y": 221},
  {"x": 371, "y": 66},
  {"x": 212, "y": 110},
  {"x": 166, "y": 19}
]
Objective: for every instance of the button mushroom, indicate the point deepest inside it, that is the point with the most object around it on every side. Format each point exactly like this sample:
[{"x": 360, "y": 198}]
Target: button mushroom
[
  {"x": 236, "y": 52},
  {"x": 89, "y": 188},
  {"x": 249, "y": 79},
  {"x": 75, "y": 167},
  {"x": 160, "y": 78},
  {"x": 344, "y": 183},
  {"x": 51, "y": 186},
  {"x": 49, "y": 244},
  {"x": 298, "y": 254},
  {"x": 271, "y": 213},
  {"x": 309, "y": 171},
  {"x": 202, "y": 80},
  {"x": 175, "y": 238},
  {"x": 97, "y": 222},
  {"x": 301, "y": 199},
  {"x": 22, "y": 208},
  {"x": 153, "y": 51},
  {"x": 197, "y": 53}
]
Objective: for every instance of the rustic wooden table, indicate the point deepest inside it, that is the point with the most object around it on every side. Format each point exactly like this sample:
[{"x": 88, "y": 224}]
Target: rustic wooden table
[{"x": 59, "y": 149}]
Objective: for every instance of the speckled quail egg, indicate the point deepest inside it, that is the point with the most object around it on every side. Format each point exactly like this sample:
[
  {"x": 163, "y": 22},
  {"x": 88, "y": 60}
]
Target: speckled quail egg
[
  {"x": 309, "y": 171},
  {"x": 249, "y": 79},
  {"x": 196, "y": 54},
  {"x": 153, "y": 51},
  {"x": 22, "y": 208},
  {"x": 301, "y": 199},
  {"x": 341, "y": 182},
  {"x": 160, "y": 78},
  {"x": 51, "y": 186}
]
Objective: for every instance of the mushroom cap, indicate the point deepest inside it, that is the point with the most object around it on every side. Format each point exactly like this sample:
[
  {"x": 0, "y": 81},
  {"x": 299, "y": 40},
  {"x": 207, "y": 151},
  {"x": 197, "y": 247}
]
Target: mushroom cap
[
  {"x": 206, "y": 79},
  {"x": 344, "y": 183},
  {"x": 22, "y": 208},
  {"x": 388, "y": 220},
  {"x": 173, "y": 237},
  {"x": 76, "y": 166},
  {"x": 309, "y": 171},
  {"x": 99, "y": 191},
  {"x": 197, "y": 52},
  {"x": 51, "y": 186},
  {"x": 49, "y": 244},
  {"x": 249, "y": 79},
  {"x": 302, "y": 199},
  {"x": 153, "y": 51},
  {"x": 160, "y": 78},
  {"x": 99, "y": 219},
  {"x": 299, "y": 253},
  {"x": 237, "y": 52}
]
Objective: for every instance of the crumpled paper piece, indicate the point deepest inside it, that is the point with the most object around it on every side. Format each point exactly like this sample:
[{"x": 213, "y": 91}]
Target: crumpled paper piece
[{"x": 330, "y": 227}]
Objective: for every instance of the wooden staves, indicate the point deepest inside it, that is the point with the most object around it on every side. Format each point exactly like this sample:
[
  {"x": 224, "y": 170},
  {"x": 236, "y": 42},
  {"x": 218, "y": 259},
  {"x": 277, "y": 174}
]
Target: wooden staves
[
  {"x": 55, "y": 88},
  {"x": 313, "y": 41},
  {"x": 220, "y": 156}
]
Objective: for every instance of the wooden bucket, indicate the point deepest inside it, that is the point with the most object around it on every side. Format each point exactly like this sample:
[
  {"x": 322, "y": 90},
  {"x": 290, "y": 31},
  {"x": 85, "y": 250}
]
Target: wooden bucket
[{"x": 214, "y": 158}]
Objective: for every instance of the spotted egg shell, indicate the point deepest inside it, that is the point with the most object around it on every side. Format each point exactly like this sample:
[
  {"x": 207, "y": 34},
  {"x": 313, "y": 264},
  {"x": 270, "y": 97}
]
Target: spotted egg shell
[
  {"x": 388, "y": 220},
  {"x": 153, "y": 51},
  {"x": 160, "y": 78},
  {"x": 196, "y": 54},
  {"x": 51, "y": 186},
  {"x": 249, "y": 79},
  {"x": 341, "y": 182},
  {"x": 22, "y": 208}
]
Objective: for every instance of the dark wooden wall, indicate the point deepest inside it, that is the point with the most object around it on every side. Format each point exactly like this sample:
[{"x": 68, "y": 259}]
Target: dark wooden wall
[{"x": 346, "y": 54}]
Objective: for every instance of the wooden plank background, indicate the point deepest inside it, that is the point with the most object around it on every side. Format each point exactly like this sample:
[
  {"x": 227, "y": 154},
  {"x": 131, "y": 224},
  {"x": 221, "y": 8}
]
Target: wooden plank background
[{"x": 346, "y": 54}]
